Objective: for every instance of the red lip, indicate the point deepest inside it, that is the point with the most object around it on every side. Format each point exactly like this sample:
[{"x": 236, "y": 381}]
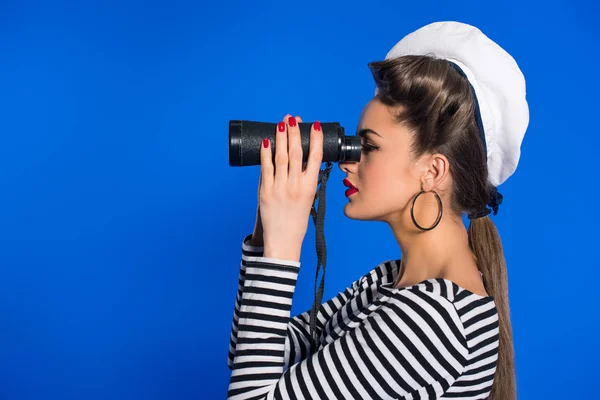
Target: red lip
[
  {"x": 349, "y": 184},
  {"x": 352, "y": 189}
]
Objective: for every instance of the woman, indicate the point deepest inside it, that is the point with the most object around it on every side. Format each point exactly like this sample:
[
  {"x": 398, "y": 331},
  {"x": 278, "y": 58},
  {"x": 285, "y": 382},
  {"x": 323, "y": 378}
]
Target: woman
[{"x": 441, "y": 133}]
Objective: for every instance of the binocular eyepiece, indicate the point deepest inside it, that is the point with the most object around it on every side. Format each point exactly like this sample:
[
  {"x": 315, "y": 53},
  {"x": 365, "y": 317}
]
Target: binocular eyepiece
[{"x": 245, "y": 140}]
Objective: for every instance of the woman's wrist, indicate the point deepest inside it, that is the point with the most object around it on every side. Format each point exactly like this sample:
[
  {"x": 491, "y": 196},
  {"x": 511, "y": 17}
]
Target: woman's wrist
[{"x": 283, "y": 254}]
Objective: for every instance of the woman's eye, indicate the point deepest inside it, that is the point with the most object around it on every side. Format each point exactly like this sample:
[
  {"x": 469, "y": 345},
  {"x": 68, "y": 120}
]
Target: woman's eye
[{"x": 367, "y": 149}]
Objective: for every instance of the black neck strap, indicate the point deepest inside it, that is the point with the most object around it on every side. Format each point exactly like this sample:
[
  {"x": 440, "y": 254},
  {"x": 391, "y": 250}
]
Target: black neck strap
[{"x": 319, "y": 221}]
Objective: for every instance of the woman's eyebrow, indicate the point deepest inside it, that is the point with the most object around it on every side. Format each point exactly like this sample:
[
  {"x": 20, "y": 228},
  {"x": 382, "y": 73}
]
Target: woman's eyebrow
[{"x": 364, "y": 132}]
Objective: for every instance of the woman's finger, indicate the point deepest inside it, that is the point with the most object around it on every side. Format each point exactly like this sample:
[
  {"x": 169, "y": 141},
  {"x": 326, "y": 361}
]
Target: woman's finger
[
  {"x": 298, "y": 120},
  {"x": 266, "y": 165},
  {"x": 281, "y": 155},
  {"x": 315, "y": 154},
  {"x": 294, "y": 151}
]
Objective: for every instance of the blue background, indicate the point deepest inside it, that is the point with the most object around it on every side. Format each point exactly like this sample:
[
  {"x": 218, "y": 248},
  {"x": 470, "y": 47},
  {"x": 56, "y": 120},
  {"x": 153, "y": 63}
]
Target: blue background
[{"x": 121, "y": 220}]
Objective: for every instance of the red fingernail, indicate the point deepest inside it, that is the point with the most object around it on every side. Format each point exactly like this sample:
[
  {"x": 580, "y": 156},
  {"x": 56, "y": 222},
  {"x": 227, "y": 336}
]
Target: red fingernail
[
  {"x": 317, "y": 126},
  {"x": 281, "y": 126},
  {"x": 292, "y": 121},
  {"x": 265, "y": 143}
]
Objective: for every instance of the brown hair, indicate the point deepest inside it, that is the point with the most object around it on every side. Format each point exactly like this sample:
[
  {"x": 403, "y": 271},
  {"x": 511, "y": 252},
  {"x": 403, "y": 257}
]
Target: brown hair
[{"x": 438, "y": 105}]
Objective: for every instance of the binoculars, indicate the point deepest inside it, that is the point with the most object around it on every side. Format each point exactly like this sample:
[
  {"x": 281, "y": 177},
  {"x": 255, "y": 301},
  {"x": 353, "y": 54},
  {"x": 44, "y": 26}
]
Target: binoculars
[{"x": 245, "y": 140}]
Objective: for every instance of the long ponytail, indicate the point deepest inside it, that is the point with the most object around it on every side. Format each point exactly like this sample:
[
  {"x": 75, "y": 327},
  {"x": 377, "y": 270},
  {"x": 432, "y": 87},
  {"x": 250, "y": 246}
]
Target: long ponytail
[{"x": 486, "y": 245}]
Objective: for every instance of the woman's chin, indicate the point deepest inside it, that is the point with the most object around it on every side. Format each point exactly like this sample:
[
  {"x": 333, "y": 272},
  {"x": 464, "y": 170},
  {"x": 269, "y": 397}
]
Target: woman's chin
[
  {"x": 348, "y": 211},
  {"x": 352, "y": 212},
  {"x": 355, "y": 211}
]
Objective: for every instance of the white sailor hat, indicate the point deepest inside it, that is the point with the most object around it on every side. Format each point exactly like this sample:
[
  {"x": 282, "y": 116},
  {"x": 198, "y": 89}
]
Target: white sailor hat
[{"x": 494, "y": 75}]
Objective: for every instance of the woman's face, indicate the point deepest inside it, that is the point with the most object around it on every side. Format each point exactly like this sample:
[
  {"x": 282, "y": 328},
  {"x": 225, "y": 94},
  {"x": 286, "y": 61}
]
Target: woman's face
[{"x": 387, "y": 178}]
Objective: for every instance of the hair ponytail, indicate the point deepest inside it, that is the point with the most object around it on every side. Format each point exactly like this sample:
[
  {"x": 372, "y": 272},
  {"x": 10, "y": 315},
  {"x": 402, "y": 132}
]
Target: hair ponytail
[{"x": 486, "y": 245}]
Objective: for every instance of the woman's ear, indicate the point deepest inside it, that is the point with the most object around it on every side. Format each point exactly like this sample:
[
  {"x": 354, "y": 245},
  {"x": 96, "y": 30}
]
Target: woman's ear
[{"x": 436, "y": 170}]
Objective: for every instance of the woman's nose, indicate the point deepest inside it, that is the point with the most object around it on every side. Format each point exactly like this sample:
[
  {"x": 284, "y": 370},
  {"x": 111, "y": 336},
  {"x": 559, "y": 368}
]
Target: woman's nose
[{"x": 347, "y": 166}]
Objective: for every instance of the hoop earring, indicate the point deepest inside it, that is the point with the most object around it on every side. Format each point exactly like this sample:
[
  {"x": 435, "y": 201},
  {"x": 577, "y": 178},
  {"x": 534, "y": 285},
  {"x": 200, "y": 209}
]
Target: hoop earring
[{"x": 412, "y": 214}]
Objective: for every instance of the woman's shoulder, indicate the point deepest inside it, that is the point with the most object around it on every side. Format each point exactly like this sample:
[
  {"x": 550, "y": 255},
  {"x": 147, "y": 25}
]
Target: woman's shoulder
[
  {"x": 383, "y": 273},
  {"x": 442, "y": 299},
  {"x": 442, "y": 290},
  {"x": 437, "y": 290}
]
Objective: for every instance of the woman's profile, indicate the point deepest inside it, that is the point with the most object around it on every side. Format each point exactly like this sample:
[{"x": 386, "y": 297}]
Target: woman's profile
[{"x": 441, "y": 133}]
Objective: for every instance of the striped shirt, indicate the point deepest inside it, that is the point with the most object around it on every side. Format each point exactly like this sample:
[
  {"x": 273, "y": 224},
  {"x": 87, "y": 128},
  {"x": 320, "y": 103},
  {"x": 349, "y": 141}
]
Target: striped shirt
[{"x": 428, "y": 341}]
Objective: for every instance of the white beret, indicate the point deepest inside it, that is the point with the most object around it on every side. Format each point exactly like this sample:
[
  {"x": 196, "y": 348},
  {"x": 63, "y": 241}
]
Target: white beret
[{"x": 496, "y": 78}]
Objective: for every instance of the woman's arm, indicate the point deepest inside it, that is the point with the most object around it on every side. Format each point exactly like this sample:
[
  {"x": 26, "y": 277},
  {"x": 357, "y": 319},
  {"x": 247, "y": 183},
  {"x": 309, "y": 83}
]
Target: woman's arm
[
  {"x": 247, "y": 251},
  {"x": 298, "y": 331}
]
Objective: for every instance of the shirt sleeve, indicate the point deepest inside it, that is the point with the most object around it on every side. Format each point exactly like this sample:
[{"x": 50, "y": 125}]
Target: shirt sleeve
[
  {"x": 297, "y": 345},
  {"x": 411, "y": 345}
]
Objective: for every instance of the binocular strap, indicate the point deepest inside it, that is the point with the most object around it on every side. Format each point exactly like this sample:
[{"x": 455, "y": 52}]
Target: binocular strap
[{"x": 319, "y": 221}]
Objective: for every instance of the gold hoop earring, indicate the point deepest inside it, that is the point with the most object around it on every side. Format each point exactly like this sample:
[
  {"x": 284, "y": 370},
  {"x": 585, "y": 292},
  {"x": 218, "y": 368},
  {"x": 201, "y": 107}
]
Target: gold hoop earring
[{"x": 412, "y": 214}]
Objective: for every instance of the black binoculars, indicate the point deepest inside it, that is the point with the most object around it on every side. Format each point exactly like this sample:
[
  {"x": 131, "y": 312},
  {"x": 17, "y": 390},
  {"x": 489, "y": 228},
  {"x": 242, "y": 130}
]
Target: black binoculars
[{"x": 245, "y": 139}]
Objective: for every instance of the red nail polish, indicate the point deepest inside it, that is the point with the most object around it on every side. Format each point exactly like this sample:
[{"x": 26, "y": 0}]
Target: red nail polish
[
  {"x": 292, "y": 121},
  {"x": 265, "y": 143},
  {"x": 281, "y": 126},
  {"x": 317, "y": 126}
]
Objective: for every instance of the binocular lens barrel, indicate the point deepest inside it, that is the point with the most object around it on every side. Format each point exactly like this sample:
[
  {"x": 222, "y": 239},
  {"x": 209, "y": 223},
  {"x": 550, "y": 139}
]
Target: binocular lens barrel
[{"x": 245, "y": 141}]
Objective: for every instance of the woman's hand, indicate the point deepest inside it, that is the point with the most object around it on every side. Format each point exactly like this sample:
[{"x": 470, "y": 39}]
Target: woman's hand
[
  {"x": 257, "y": 234},
  {"x": 287, "y": 192}
]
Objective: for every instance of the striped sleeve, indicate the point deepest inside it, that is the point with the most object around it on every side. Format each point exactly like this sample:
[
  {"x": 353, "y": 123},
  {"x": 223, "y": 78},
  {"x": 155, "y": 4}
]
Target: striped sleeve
[
  {"x": 247, "y": 251},
  {"x": 263, "y": 320},
  {"x": 297, "y": 346},
  {"x": 410, "y": 346},
  {"x": 480, "y": 320}
]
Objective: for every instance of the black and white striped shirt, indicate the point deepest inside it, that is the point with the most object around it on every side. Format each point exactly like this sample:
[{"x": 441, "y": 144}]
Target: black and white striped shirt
[{"x": 428, "y": 341}]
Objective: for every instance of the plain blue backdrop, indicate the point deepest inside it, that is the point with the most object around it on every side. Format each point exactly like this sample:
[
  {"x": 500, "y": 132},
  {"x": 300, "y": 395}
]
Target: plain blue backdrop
[{"x": 121, "y": 221}]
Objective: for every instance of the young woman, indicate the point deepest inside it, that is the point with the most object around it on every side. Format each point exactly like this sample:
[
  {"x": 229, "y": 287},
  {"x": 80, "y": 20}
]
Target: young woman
[{"x": 441, "y": 133}]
